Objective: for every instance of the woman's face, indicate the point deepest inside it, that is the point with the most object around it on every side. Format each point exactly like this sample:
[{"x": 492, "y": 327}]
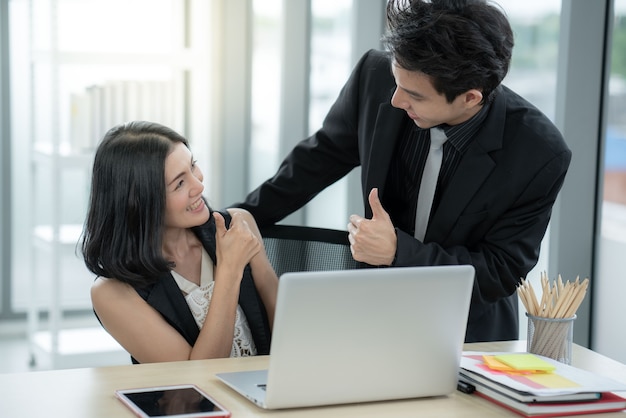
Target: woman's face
[{"x": 184, "y": 206}]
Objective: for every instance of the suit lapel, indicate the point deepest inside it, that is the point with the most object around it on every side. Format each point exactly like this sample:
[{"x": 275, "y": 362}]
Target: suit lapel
[
  {"x": 473, "y": 170},
  {"x": 249, "y": 300},
  {"x": 469, "y": 176},
  {"x": 206, "y": 234},
  {"x": 387, "y": 132},
  {"x": 168, "y": 300}
]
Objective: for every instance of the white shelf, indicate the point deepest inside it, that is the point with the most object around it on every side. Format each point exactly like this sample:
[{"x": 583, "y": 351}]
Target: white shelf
[
  {"x": 78, "y": 347},
  {"x": 183, "y": 58},
  {"x": 68, "y": 234},
  {"x": 79, "y": 340},
  {"x": 44, "y": 154}
]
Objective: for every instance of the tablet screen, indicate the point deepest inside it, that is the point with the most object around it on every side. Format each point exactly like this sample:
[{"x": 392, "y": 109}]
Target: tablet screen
[{"x": 171, "y": 401}]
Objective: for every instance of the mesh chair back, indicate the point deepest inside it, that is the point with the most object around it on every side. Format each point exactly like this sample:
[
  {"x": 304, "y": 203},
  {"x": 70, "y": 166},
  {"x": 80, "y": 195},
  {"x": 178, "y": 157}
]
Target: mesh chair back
[{"x": 302, "y": 248}]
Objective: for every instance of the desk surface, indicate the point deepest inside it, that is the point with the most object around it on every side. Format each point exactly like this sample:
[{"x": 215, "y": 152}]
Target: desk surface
[{"x": 88, "y": 392}]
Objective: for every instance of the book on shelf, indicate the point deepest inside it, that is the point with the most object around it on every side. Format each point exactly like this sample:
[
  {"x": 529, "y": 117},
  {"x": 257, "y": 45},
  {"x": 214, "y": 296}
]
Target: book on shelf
[{"x": 101, "y": 106}]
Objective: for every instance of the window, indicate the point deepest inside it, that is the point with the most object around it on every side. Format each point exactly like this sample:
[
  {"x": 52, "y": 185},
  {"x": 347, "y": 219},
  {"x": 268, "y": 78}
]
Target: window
[
  {"x": 611, "y": 233},
  {"x": 533, "y": 75},
  {"x": 74, "y": 75},
  {"x": 320, "y": 77},
  {"x": 266, "y": 85}
]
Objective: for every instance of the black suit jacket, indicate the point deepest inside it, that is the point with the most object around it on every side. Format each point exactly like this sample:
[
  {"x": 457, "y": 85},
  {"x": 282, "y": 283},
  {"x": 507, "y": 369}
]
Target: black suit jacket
[{"x": 493, "y": 213}]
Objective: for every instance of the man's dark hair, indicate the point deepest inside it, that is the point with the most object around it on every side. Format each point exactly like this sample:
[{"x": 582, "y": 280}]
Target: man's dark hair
[
  {"x": 123, "y": 231},
  {"x": 460, "y": 44}
]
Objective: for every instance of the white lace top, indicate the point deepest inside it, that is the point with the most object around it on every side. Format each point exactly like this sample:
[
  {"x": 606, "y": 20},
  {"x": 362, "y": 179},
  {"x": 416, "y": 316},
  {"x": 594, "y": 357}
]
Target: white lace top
[{"x": 199, "y": 298}]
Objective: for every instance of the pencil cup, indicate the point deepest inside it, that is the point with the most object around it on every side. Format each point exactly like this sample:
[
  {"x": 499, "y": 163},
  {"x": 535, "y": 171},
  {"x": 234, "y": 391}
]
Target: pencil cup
[{"x": 551, "y": 337}]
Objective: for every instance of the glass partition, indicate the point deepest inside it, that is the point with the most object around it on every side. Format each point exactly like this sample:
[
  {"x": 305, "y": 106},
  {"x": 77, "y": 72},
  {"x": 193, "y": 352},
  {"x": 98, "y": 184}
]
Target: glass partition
[{"x": 610, "y": 286}]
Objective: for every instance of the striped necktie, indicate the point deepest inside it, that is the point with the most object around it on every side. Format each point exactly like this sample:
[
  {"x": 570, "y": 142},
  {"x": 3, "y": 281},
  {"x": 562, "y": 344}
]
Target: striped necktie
[{"x": 429, "y": 181}]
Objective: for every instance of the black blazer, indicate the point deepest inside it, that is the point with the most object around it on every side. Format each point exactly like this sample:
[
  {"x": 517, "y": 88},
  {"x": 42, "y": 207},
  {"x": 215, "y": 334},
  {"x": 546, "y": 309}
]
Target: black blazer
[
  {"x": 166, "y": 297},
  {"x": 493, "y": 213}
]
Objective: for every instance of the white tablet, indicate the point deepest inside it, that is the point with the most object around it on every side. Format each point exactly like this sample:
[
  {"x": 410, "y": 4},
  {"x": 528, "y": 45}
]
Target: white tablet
[{"x": 178, "y": 401}]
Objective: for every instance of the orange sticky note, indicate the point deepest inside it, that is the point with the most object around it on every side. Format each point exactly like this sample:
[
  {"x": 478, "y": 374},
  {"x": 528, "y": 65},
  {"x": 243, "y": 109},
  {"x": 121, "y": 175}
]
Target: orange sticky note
[
  {"x": 525, "y": 361},
  {"x": 495, "y": 364}
]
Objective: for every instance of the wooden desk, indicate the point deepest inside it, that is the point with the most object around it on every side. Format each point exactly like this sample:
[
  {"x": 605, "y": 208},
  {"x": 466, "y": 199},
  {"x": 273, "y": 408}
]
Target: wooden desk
[{"x": 87, "y": 393}]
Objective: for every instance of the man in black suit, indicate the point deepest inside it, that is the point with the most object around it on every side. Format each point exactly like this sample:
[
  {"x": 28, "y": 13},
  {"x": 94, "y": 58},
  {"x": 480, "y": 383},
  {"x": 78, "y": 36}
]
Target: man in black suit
[{"x": 503, "y": 164}]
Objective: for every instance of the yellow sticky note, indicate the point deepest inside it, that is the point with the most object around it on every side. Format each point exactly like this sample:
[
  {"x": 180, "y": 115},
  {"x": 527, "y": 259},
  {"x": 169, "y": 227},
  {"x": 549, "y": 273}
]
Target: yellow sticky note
[
  {"x": 524, "y": 361},
  {"x": 552, "y": 380}
]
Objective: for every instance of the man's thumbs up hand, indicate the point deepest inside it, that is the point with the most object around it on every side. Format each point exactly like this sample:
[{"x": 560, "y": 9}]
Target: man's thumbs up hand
[{"x": 373, "y": 241}]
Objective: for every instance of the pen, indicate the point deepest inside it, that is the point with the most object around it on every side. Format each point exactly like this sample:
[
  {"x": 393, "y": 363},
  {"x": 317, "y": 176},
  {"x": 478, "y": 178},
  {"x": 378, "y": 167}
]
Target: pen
[{"x": 465, "y": 387}]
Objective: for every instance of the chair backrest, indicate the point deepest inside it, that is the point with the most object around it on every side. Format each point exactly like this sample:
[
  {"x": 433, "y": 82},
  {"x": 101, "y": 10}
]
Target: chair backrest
[{"x": 302, "y": 248}]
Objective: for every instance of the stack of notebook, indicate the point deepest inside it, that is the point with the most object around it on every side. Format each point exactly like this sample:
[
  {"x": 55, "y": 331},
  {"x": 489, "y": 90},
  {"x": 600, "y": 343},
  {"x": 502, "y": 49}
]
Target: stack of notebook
[{"x": 537, "y": 386}]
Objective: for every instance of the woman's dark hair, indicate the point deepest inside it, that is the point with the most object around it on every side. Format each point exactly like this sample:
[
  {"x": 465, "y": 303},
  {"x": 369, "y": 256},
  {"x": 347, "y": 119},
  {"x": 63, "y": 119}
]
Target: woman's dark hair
[
  {"x": 460, "y": 44},
  {"x": 122, "y": 235}
]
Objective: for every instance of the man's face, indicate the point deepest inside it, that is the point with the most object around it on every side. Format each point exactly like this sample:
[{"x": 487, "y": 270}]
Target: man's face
[{"x": 416, "y": 95}]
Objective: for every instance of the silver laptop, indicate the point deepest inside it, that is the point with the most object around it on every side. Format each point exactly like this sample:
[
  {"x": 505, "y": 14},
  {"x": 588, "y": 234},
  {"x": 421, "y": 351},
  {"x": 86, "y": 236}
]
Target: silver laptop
[{"x": 362, "y": 335}]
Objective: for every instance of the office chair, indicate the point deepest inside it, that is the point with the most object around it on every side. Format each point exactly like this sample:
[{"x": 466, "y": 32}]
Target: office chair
[{"x": 302, "y": 248}]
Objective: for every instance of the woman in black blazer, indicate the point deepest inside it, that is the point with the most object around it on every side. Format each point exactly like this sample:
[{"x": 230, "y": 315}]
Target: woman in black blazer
[{"x": 176, "y": 280}]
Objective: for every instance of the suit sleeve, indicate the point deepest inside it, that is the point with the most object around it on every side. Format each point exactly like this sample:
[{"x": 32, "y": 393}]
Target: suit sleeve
[{"x": 315, "y": 162}]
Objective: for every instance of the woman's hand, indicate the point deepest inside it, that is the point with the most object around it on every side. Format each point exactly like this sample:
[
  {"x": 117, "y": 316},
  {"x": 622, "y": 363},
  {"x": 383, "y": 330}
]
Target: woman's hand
[
  {"x": 263, "y": 273},
  {"x": 237, "y": 245}
]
